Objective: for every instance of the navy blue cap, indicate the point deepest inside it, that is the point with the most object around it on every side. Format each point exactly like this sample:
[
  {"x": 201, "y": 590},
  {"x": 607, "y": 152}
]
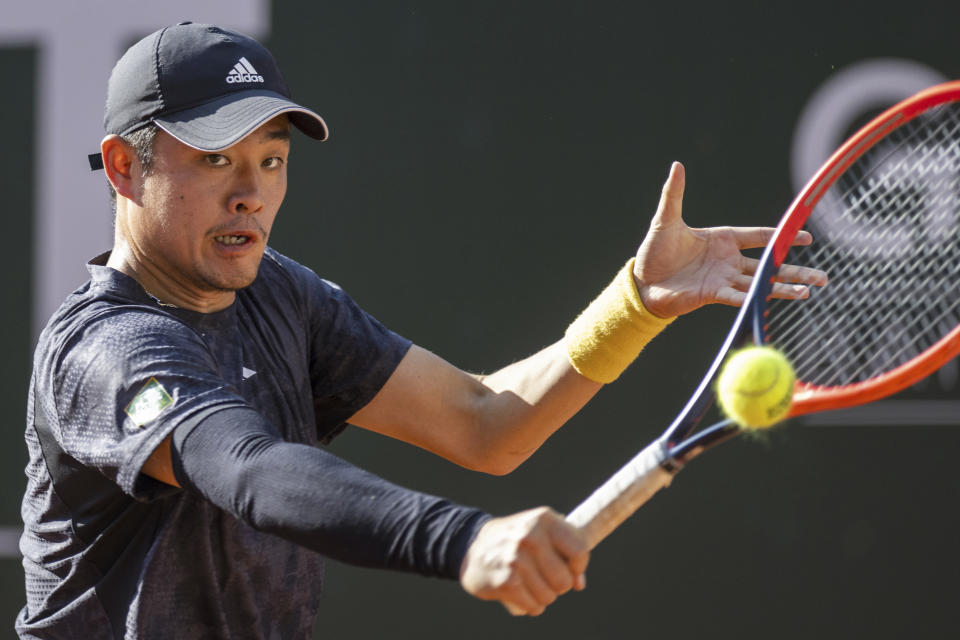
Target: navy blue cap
[{"x": 206, "y": 86}]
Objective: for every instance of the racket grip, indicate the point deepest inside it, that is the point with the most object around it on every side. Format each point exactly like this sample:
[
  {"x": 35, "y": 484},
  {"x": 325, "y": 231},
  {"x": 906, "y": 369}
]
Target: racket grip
[{"x": 625, "y": 492}]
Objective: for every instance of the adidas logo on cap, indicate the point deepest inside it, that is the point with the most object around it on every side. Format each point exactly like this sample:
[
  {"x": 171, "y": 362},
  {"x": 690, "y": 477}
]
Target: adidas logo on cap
[{"x": 243, "y": 71}]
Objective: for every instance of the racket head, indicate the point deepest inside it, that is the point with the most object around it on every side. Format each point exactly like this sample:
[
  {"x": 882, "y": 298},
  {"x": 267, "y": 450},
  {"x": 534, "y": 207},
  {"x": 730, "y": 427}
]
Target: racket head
[
  {"x": 884, "y": 211},
  {"x": 885, "y": 215},
  {"x": 927, "y": 123}
]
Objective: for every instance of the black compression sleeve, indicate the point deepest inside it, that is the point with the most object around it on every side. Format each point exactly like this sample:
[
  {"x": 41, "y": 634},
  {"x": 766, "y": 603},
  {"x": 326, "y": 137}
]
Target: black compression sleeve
[{"x": 311, "y": 497}]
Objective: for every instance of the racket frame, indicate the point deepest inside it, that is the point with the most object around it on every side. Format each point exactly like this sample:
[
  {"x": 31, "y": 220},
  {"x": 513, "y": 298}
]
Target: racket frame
[
  {"x": 808, "y": 398},
  {"x": 654, "y": 467}
]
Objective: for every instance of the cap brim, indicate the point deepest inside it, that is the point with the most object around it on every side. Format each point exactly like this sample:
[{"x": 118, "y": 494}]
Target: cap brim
[{"x": 222, "y": 123}]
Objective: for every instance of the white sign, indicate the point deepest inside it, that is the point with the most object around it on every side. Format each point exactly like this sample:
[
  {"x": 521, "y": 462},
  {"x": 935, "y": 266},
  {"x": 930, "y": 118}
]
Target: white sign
[{"x": 78, "y": 44}]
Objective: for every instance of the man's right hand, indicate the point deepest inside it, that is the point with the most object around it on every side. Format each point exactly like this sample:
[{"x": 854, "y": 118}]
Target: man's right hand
[{"x": 525, "y": 561}]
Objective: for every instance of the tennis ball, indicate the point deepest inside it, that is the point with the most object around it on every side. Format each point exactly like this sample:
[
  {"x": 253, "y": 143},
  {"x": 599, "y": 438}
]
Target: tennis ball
[{"x": 755, "y": 387}]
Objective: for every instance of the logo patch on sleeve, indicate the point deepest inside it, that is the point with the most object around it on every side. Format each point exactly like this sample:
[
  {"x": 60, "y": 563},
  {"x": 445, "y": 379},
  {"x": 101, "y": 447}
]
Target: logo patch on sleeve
[{"x": 148, "y": 403}]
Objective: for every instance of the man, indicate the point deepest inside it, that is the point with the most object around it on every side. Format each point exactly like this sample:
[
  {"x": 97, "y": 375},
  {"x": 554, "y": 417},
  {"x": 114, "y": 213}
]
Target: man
[{"x": 175, "y": 488}]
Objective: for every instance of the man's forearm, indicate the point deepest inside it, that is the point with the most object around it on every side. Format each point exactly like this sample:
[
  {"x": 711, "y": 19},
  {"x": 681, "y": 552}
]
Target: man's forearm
[
  {"x": 317, "y": 500},
  {"x": 529, "y": 400}
]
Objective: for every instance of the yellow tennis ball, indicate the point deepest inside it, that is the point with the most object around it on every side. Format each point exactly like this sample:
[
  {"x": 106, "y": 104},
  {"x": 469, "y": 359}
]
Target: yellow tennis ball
[{"x": 755, "y": 388}]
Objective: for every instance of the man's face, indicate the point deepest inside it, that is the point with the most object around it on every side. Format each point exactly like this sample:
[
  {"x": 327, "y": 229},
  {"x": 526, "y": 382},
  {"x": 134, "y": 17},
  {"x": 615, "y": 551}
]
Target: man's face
[{"x": 205, "y": 216}]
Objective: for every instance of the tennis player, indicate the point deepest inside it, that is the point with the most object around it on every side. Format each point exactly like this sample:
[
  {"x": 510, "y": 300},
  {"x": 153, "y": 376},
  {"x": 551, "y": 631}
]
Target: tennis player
[{"x": 176, "y": 488}]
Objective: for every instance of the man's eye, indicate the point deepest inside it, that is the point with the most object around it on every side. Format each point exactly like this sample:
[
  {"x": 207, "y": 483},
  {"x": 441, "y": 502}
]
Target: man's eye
[
  {"x": 216, "y": 159},
  {"x": 273, "y": 163}
]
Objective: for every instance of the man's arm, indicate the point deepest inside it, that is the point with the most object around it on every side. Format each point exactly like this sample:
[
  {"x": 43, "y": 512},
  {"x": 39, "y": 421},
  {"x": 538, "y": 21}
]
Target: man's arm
[
  {"x": 493, "y": 423},
  {"x": 488, "y": 423},
  {"x": 310, "y": 497}
]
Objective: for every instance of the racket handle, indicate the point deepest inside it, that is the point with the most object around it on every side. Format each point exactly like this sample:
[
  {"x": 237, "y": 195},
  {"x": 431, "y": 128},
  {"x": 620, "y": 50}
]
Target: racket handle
[{"x": 625, "y": 492}]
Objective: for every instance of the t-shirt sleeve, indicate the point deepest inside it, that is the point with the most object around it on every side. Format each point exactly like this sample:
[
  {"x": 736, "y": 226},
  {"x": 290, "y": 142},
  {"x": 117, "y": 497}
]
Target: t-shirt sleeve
[
  {"x": 351, "y": 353},
  {"x": 123, "y": 384}
]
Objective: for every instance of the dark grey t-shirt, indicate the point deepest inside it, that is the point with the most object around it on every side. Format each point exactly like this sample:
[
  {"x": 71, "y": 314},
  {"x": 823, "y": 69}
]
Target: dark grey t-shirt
[{"x": 111, "y": 553}]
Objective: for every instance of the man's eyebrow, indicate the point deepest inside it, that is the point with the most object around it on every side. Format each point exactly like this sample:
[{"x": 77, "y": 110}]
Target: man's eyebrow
[{"x": 278, "y": 134}]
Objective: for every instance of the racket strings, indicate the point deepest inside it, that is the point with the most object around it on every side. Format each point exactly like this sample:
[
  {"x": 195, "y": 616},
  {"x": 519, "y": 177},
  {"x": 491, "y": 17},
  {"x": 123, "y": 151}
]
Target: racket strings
[
  {"x": 900, "y": 346},
  {"x": 888, "y": 234},
  {"x": 886, "y": 330},
  {"x": 847, "y": 348}
]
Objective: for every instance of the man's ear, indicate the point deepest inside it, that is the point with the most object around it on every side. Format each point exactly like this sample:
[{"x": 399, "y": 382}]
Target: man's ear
[{"x": 119, "y": 161}]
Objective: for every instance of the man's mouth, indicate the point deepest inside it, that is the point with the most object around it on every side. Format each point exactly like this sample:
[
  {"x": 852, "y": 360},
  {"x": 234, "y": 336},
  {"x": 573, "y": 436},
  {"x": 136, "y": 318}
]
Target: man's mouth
[{"x": 231, "y": 240}]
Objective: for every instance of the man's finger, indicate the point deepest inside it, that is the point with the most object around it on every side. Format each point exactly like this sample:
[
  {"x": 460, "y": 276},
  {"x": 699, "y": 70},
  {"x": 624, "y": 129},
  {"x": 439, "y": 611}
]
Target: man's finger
[
  {"x": 789, "y": 273},
  {"x": 758, "y": 237},
  {"x": 580, "y": 583},
  {"x": 535, "y": 583},
  {"x": 805, "y": 275},
  {"x": 730, "y": 296},
  {"x": 671, "y": 198},
  {"x": 521, "y": 603},
  {"x": 790, "y": 291},
  {"x": 742, "y": 283},
  {"x": 555, "y": 570},
  {"x": 752, "y": 237},
  {"x": 571, "y": 545}
]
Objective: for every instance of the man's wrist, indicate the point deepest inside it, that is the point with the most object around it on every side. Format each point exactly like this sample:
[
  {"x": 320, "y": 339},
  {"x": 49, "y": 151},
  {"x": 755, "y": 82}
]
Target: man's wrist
[{"x": 612, "y": 330}]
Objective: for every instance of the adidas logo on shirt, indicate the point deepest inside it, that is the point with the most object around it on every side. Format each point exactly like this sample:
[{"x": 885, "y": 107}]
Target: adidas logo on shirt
[{"x": 243, "y": 71}]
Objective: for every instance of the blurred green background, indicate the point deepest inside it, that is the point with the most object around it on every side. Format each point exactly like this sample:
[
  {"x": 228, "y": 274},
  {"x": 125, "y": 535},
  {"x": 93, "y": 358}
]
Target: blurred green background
[{"x": 491, "y": 165}]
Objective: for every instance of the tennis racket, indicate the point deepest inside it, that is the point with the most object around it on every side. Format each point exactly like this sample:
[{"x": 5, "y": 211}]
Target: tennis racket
[{"x": 884, "y": 212}]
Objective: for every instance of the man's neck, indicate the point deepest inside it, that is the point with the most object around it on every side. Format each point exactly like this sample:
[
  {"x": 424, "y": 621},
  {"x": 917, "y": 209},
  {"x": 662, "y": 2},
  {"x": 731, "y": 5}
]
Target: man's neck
[{"x": 163, "y": 288}]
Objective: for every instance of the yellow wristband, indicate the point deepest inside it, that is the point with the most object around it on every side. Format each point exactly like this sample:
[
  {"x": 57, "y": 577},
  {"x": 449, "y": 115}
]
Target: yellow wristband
[{"x": 612, "y": 330}]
